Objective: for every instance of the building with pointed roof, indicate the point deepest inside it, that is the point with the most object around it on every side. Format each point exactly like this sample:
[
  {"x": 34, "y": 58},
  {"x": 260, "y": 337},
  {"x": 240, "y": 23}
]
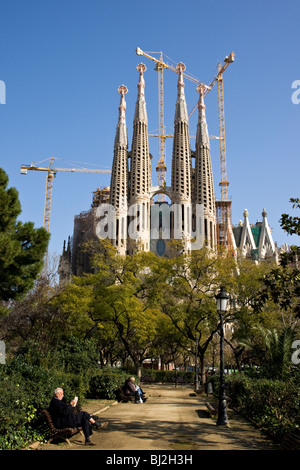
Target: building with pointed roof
[
  {"x": 255, "y": 241},
  {"x": 136, "y": 221}
]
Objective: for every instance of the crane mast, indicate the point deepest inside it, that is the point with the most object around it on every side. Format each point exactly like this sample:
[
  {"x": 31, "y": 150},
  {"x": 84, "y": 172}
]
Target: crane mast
[
  {"x": 51, "y": 173},
  {"x": 161, "y": 166},
  {"x": 223, "y": 183},
  {"x": 223, "y": 207}
]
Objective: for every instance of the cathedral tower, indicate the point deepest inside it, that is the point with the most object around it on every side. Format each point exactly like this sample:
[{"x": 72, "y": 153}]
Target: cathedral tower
[
  {"x": 140, "y": 171},
  {"x": 204, "y": 185},
  {"x": 181, "y": 165},
  {"x": 119, "y": 178}
]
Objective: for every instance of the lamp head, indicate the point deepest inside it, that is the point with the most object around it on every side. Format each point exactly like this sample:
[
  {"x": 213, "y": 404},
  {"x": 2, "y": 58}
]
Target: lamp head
[{"x": 222, "y": 300}]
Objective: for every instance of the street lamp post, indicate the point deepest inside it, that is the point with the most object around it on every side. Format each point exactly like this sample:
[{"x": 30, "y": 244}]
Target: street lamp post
[{"x": 222, "y": 302}]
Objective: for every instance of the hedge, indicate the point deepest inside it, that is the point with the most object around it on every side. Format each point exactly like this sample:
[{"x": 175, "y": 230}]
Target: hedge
[
  {"x": 167, "y": 376},
  {"x": 273, "y": 405}
]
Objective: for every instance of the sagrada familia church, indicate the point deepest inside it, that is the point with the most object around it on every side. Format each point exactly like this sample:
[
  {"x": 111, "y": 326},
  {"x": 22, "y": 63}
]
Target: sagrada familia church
[{"x": 126, "y": 212}]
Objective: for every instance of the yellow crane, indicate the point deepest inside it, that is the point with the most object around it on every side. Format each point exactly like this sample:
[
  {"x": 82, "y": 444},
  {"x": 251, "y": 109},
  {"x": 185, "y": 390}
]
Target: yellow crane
[
  {"x": 223, "y": 207},
  {"x": 51, "y": 173},
  {"x": 219, "y": 79},
  {"x": 160, "y": 66}
]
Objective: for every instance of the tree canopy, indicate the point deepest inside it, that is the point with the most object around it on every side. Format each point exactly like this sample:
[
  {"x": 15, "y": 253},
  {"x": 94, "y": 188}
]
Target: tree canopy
[
  {"x": 22, "y": 247},
  {"x": 282, "y": 284}
]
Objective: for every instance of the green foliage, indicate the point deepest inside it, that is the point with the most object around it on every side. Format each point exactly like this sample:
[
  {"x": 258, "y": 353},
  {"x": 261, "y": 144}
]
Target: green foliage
[
  {"x": 77, "y": 355},
  {"x": 22, "y": 247},
  {"x": 167, "y": 376},
  {"x": 282, "y": 285},
  {"x": 274, "y": 405},
  {"x": 289, "y": 223},
  {"x": 105, "y": 383},
  {"x": 271, "y": 349}
]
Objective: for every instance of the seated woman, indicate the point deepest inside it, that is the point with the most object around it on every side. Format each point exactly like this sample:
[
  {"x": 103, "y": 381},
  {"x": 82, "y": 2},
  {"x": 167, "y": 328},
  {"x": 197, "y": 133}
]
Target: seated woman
[{"x": 131, "y": 389}]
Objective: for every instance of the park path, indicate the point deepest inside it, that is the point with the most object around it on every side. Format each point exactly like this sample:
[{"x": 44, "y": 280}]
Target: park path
[{"x": 172, "y": 419}]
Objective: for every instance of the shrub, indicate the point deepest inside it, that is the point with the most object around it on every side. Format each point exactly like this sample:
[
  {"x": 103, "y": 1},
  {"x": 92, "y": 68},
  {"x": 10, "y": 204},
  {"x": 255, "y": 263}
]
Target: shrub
[
  {"x": 77, "y": 356},
  {"x": 105, "y": 383},
  {"x": 274, "y": 405}
]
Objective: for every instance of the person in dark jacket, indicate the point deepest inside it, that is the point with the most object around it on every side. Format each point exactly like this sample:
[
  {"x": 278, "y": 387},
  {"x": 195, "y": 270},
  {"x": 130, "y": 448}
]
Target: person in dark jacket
[
  {"x": 130, "y": 388},
  {"x": 63, "y": 416}
]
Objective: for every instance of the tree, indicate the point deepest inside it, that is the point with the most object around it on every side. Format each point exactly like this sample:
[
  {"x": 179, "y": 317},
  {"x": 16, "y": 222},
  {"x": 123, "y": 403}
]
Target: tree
[
  {"x": 115, "y": 300},
  {"x": 185, "y": 288},
  {"x": 282, "y": 284},
  {"x": 22, "y": 247},
  {"x": 271, "y": 349}
]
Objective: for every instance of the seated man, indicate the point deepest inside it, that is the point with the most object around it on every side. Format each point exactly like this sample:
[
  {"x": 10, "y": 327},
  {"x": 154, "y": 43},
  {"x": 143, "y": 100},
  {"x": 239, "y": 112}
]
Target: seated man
[
  {"x": 130, "y": 388},
  {"x": 63, "y": 416}
]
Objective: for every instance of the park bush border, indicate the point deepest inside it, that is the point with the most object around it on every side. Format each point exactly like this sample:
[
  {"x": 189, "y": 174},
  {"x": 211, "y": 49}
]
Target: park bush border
[{"x": 272, "y": 405}]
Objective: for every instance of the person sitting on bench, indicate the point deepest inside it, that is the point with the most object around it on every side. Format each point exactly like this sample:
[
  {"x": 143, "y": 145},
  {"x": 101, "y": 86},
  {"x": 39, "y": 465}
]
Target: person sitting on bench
[
  {"x": 63, "y": 416},
  {"x": 130, "y": 388}
]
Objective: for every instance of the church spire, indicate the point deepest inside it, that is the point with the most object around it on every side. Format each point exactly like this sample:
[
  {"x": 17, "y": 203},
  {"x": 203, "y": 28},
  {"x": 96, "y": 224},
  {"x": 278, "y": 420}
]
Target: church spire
[
  {"x": 181, "y": 166},
  {"x": 181, "y": 114},
  {"x": 140, "y": 114},
  {"x": 121, "y": 132},
  {"x": 204, "y": 185},
  {"x": 140, "y": 168},
  {"x": 202, "y": 137},
  {"x": 119, "y": 177},
  {"x": 181, "y": 157}
]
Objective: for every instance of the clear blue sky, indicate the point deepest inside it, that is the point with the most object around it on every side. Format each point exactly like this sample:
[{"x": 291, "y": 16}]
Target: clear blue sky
[{"x": 63, "y": 60}]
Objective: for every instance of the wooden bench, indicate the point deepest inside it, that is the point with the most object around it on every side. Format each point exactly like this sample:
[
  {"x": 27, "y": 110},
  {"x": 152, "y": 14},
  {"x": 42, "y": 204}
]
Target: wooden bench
[
  {"x": 212, "y": 407},
  {"x": 291, "y": 441},
  {"x": 55, "y": 433},
  {"x": 125, "y": 398}
]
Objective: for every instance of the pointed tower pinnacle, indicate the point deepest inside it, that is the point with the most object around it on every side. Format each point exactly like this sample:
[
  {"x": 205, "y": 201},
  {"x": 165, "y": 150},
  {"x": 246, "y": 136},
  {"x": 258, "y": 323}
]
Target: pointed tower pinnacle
[
  {"x": 121, "y": 132},
  {"x": 181, "y": 114},
  {"x": 181, "y": 164},
  {"x": 140, "y": 114},
  {"x": 266, "y": 245},
  {"x": 181, "y": 157},
  {"x": 140, "y": 169},
  {"x": 204, "y": 185},
  {"x": 202, "y": 131},
  {"x": 119, "y": 177}
]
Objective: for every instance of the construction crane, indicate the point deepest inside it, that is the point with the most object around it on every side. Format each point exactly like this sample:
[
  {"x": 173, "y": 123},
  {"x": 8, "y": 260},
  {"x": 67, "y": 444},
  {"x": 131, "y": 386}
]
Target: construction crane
[
  {"x": 51, "y": 173},
  {"x": 219, "y": 79},
  {"x": 223, "y": 207},
  {"x": 160, "y": 66}
]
